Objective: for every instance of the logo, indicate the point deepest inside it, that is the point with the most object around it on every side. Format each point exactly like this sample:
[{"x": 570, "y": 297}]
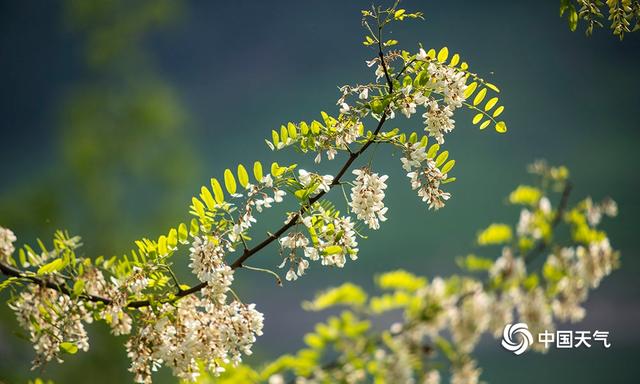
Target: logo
[{"x": 509, "y": 341}]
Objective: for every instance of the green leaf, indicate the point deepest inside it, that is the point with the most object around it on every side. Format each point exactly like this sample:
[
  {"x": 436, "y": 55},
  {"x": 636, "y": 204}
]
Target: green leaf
[
  {"x": 183, "y": 233},
  {"x": 443, "y": 54},
  {"x": 498, "y": 111},
  {"x": 257, "y": 171},
  {"x": 293, "y": 132},
  {"x": 491, "y": 103},
  {"x": 455, "y": 59},
  {"x": 194, "y": 228},
  {"x": 573, "y": 18},
  {"x": 332, "y": 250},
  {"x": 206, "y": 196},
  {"x": 376, "y": 106},
  {"x": 474, "y": 263},
  {"x": 70, "y": 348},
  {"x": 346, "y": 294},
  {"x": 304, "y": 128},
  {"x": 243, "y": 176},
  {"x": 480, "y": 96},
  {"x": 172, "y": 239},
  {"x": 217, "y": 190},
  {"x": 470, "y": 89},
  {"x": 447, "y": 167},
  {"x": 163, "y": 250},
  {"x": 501, "y": 127},
  {"x": 433, "y": 150},
  {"x": 495, "y": 234},
  {"x": 229, "y": 181},
  {"x": 284, "y": 135},
  {"x": 78, "y": 287},
  {"x": 197, "y": 206},
  {"x": 442, "y": 158},
  {"x": 51, "y": 267}
]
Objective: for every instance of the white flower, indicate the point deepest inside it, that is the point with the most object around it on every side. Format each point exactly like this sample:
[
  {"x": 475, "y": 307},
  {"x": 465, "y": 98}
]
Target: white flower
[
  {"x": 466, "y": 373},
  {"x": 415, "y": 155},
  {"x": 407, "y": 107},
  {"x": 199, "y": 331},
  {"x": 207, "y": 263},
  {"x": 422, "y": 55},
  {"x": 51, "y": 318},
  {"x": 364, "y": 94},
  {"x": 427, "y": 182},
  {"x": 438, "y": 121},
  {"x": 278, "y": 195},
  {"x": 367, "y": 196},
  {"x": 291, "y": 275},
  {"x": 322, "y": 183},
  {"x": 7, "y": 238},
  {"x": 344, "y": 108}
]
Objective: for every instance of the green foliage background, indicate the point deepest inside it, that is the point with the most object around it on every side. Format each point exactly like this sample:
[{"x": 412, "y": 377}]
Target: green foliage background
[{"x": 115, "y": 112}]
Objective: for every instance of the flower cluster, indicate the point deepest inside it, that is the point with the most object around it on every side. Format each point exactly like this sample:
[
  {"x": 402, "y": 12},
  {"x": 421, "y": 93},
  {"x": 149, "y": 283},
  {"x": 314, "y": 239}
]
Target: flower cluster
[
  {"x": 367, "y": 197},
  {"x": 54, "y": 322},
  {"x": 314, "y": 182},
  {"x": 207, "y": 263},
  {"x": 258, "y": 198},
  {"x": 425, "y": 175},
  {"x": 297, "y": 265},
  {"x": 332, "y": 239},
  {"x": 205, "y": 328},
  {"x": 7, "y": 238},
  {"x": 438, "y": 120},
  {"x": 198, "y": 330}
]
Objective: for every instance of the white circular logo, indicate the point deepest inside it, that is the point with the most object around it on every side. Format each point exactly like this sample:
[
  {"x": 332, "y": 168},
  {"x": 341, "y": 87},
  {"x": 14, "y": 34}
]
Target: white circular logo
[{"x": 508, "y": 340}]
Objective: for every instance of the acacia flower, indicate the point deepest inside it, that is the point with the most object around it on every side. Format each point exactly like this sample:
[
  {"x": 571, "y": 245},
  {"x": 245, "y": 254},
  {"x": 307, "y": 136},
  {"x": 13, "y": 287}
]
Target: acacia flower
[{"x": 367, "y": 196}]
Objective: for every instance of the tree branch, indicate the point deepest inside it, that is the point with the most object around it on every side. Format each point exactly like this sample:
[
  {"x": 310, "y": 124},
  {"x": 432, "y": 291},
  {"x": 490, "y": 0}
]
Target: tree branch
[{"x": 248, "y": 252}]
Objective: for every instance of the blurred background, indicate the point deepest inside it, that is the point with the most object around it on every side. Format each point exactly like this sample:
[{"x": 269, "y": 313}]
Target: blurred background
[{"x": 115, "y": 112}]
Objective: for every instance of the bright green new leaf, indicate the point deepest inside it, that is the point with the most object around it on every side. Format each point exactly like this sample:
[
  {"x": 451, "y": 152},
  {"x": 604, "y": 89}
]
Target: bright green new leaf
[
  {"x": 183, "y": 233},
  {"x": 491, "y": 103},
  {"x": 284, "y": 135},
  {"x": 454, "y": 60},
  {"x": 495, "y": 234},
  {"x": 443, "y": 54},
  {"x": 229, "y": 181},
  {"x": 206, "y": 196},
  {"x": 501, "y": 127},
  {"x": 51, "y": 267},
  {"x": 447, "y": 167},
  {"x": 293, "y": 132},
  {"x": 433, "y": 150},
  {"x": 78, "y": 287},
  {"x": 470, "y": 89},
  {"x": 243, "y": 176},
  {"x": 333, "y": 249},
  {"x": 197, "y": 206},
  {"x": 442, "y": 158},
  {"x": 217, "y": 190},
  {"x": 345, "y": 294},
  {"x": 480, "y": 96},
  {"x": 70, "y": 348},
  {"x": 257, "y": 171}
]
